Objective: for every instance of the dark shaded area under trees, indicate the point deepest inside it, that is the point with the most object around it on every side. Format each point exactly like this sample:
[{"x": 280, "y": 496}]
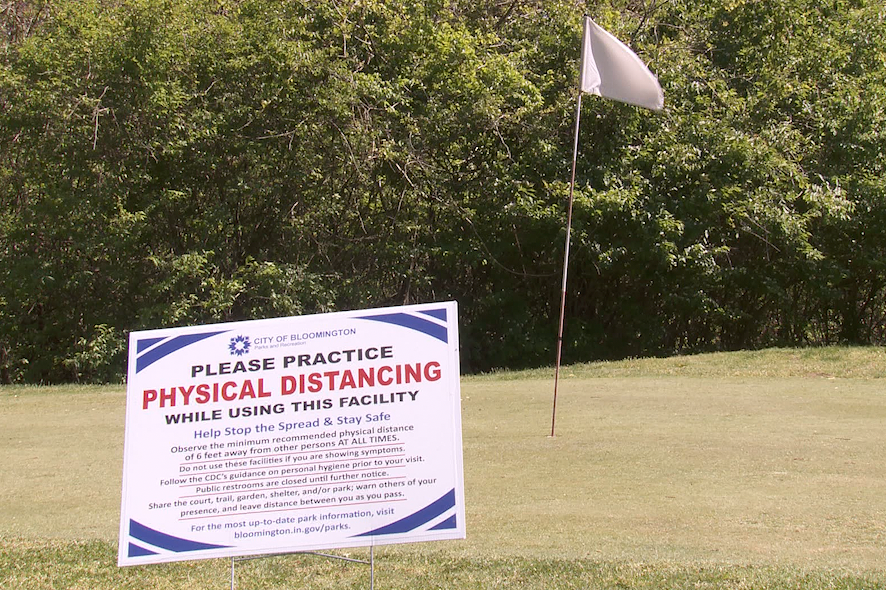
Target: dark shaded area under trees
[{"x": 171, "y": 162}]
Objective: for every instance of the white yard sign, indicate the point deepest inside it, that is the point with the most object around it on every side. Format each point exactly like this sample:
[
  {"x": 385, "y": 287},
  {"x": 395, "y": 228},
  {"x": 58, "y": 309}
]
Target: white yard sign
[{"x": 311, "y": 432}]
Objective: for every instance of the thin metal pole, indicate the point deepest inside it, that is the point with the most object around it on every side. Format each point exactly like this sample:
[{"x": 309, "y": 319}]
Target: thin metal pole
[
  {"x": 372, "y": 567},
  {"x": 565, "y": 264},
  {"x": 370, "y": 563}
]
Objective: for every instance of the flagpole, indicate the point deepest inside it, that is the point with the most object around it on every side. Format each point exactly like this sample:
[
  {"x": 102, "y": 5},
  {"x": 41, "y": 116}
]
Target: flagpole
[
  {"x": 565, "y": 264},
  {"x": 620, "y": 75}
]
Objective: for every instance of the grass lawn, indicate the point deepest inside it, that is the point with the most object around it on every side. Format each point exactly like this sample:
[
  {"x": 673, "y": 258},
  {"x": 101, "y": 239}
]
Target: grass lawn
[{"x": 740, "y": 470}]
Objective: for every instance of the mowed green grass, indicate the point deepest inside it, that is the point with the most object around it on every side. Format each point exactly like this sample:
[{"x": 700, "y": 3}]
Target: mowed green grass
[{"x": 740, "y": 470}]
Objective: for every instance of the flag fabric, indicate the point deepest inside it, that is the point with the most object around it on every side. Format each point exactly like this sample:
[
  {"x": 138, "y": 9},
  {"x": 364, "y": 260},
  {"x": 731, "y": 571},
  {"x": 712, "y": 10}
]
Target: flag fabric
[{"x": 610, "y": 69}]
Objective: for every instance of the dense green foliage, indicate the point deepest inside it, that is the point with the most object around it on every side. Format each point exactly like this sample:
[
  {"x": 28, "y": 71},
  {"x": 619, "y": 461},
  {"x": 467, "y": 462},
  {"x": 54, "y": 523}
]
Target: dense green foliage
[{"x": 168, "y": 162}]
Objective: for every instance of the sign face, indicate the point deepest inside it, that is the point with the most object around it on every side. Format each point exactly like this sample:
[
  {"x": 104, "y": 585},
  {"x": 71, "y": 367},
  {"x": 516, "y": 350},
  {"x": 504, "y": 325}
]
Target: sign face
[{"x": 292, "y": 434}]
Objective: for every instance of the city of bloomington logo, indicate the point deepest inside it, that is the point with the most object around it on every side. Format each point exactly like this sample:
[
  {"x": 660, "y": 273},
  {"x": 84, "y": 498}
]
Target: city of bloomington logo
[{"x": 239, "y": 345}]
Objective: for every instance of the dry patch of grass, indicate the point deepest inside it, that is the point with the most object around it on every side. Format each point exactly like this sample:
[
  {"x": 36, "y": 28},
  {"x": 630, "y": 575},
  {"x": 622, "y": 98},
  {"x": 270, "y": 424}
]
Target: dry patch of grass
[
  {"x": 766, "y": 471},
  {"x": 742, "y": 470},
  {"x": 61, "y": 461},
  {"x": 841, "y": 362},
  {"x": 89, "y": 565}
]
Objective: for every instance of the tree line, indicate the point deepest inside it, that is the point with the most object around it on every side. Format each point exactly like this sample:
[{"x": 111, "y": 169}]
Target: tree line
[{"x": 173, "y": 162}]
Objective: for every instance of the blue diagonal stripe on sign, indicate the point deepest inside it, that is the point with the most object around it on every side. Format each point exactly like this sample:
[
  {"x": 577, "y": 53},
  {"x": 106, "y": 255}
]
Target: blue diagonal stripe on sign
[
  {"x": 413, "y": 323},
  {"x": 146, "y": 343},
  {"x": 415, "y": 520},
  {"x": 136, "y": 551},
  {"x": 168, "y": 347},
  {"x": 440, "y": 314},
  {"x": 163, "y": 541},
  {"x": 449, "y": 523}
]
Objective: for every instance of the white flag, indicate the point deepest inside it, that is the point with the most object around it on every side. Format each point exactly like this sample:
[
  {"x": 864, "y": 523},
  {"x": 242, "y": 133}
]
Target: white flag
[{"x": 611, "y": 70}]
